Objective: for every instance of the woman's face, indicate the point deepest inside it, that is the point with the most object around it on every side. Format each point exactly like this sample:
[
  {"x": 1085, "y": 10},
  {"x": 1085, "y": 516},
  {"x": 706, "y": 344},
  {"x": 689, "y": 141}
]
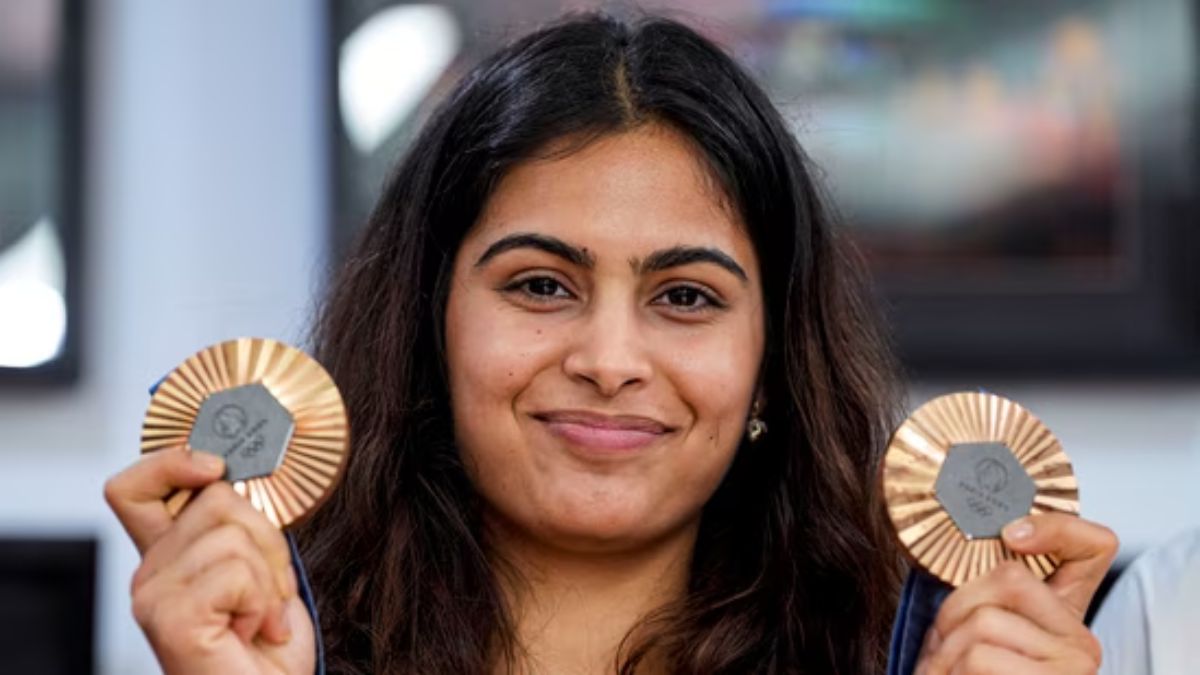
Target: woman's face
[{"x": 604, "y": 333}]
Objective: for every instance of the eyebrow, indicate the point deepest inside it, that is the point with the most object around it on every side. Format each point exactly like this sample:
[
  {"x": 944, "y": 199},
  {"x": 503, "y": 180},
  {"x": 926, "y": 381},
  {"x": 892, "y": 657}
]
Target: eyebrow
[
  {"x": 541, "y": 242},
  {"x": 676, "y": 256}
]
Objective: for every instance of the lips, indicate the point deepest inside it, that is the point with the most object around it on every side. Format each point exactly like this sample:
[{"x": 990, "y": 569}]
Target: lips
[{"x": 600, "y": 433}]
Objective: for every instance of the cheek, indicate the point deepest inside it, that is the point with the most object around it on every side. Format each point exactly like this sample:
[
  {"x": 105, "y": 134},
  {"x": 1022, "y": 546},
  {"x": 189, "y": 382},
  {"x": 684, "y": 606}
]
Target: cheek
[
  {"x": 714, "y": 373},
  {"x": 494, "y": 354}
]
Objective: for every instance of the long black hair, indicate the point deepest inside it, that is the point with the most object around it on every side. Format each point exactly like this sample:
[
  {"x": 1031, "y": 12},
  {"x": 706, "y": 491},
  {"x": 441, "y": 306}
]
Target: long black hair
[{"x": 794, "y": 568}]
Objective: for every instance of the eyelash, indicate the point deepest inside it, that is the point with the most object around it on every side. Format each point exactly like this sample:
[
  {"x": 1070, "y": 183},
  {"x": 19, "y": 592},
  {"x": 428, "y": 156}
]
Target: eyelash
[
  {"x": 709, "y": 298},
  {"x": 522, "y": 286}
]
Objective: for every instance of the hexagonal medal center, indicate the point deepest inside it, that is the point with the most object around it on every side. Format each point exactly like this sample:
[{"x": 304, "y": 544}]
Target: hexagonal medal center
[
  {"x": 246, "y": 426},
  {"x": 983, "y": 487}
]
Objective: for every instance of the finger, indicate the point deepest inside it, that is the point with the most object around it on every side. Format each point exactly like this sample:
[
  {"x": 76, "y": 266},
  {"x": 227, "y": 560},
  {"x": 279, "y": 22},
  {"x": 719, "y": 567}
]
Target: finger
[
  {"x": 249, "y": 605},
  {"x": 998, "y": 627},
  {"x": 215, "y": 546},
  {"x": 228, "y": 588},
  {"x": 217, "y": 505},
  {"x": 1012, "y": 587},
  {"x": 929, "y": 646},
  {"x": 1086, "y": 550},
  {"x": 986, "y": 659},
  {"x": 195, "y": 618},
  {"x": 135, "y": 495}
]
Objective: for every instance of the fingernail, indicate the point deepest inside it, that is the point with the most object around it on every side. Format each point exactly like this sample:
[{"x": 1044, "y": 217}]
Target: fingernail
[
  {"x": 1018, "y": 529},
  {"x": 207, "y": 461}
]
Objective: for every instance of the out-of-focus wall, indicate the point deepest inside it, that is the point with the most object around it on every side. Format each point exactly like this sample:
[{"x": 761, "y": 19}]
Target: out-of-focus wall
[
  {"x": 207, "y": 184},
  {"x": 205, "y": 218}
]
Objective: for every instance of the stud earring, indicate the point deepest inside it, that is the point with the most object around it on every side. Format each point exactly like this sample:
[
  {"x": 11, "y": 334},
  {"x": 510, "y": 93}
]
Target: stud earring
[{"x": 755, "y": 428}]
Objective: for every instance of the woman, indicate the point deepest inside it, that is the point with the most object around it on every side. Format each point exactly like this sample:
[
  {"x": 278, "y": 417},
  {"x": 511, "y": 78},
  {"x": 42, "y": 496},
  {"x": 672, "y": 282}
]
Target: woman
[{"x": 615, "y": 249}]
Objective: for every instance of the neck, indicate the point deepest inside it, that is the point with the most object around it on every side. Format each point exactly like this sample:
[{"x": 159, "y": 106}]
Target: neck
[{"x": 571, "y": 609}]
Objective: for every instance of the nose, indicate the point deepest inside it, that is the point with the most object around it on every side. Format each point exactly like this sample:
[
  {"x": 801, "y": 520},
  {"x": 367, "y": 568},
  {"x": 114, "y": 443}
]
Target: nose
[{"x": 609, "y": 352}]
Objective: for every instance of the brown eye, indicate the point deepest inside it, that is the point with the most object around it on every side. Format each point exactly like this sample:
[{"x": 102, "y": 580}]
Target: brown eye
[
  {"x": 539, "y": 289},
  {"x": 687, "y": 299},
  {"x": 684, "y": 296},
  {"x": 545, "y": 287}
]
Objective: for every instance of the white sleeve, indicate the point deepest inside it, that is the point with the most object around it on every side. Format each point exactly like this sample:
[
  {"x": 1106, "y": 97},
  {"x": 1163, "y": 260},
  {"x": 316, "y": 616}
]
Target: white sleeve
[
  {"x": 1150, "y": 622},
  {"x": 1121, "y": 627}
]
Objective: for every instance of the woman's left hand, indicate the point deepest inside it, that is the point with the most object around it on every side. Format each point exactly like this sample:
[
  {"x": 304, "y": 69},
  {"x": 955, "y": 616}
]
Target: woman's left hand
[{"x": 1007, "y": 621}]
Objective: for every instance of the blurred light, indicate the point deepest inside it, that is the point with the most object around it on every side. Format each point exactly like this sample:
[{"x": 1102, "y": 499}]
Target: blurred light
[
  {"x": 34, "y": 317},
  {"x": 29, "y": 37},
  {"x": 857, "y": 10},
  {"x": 388, "y": 65},
  {"x": 33, "y": 314}
]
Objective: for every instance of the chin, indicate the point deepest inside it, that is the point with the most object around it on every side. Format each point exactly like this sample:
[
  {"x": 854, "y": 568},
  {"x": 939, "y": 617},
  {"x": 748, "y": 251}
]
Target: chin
[
  {"x": 598, "y": 533},
  {"x": 600, "y": 525}
]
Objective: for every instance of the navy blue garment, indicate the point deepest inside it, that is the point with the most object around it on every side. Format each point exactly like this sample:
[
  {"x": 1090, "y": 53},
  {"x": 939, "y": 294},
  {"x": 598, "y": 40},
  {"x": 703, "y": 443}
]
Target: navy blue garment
[
  {"x": 919, "y": 603},
  {"x": 307, "y": 596}
]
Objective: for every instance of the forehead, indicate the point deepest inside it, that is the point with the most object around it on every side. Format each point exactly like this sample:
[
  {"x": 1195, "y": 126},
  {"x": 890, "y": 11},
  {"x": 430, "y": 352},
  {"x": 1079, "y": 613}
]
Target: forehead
[{"x": 647, "y": 187}]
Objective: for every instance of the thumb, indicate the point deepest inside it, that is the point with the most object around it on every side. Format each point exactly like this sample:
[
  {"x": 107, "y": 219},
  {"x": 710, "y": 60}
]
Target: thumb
[{"x": 1084, "y": 549}]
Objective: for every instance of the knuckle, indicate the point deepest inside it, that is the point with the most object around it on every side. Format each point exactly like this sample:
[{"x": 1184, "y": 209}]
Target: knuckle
[
  {"x": 939, "y": 661},
  {"x": 144, "y": 607},
  {"x": 233, "y": 532},
  {"x": 1012, "y": 583},
  {"x": 117, "y": 486},
  {"x": 112, "y": 491},
  {"x": 941, "y": 621},
  {"x": 234, "y": 541},
  {"x": 1011, "y": 573},
  {"x": 138, "y": 579},
  {"x": 219, "y": 497},
  {"x": 1109, "y": 539},
  {"x": 258, "y": 529},
  {"x": 1092, "y": 648},
  {"x": 1082, "y": 664},
  {"x": 984, "y": 620},
  {"x": 237, "y": 509},
  {"x": 947, "y": 615},
  {"x": 216, "y": 503}
]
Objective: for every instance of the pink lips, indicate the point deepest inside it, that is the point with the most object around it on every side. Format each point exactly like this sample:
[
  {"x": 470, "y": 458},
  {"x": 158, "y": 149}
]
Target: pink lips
[{"x": 603, "y": 434}]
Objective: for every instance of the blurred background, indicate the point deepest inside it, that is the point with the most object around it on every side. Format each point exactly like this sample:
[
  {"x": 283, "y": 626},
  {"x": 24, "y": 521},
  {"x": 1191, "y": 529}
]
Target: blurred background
[{"x": 1020, "y": 175}]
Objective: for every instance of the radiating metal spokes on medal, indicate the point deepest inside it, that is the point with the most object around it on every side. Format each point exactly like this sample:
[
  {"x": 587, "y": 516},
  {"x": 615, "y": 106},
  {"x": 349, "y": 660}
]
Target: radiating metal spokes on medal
[
  {"x": 959, "y": 469},
  {"x": 270, "y": 410}
]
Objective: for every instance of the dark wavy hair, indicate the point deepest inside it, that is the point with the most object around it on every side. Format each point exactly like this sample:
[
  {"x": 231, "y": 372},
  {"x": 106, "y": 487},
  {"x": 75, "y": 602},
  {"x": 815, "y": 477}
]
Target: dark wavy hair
[{"x": 794, "y": 568}]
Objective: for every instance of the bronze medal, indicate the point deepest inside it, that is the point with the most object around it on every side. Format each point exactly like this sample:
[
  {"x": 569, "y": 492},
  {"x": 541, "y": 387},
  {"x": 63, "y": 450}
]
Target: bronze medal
[
  {"x": 961, "y": 468},
  {"x": 269, "y": 410}
]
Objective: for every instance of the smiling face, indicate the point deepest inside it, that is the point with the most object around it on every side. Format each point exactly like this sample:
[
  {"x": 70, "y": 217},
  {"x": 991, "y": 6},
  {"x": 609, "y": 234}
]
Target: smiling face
[{"x": 604, "y": 331}]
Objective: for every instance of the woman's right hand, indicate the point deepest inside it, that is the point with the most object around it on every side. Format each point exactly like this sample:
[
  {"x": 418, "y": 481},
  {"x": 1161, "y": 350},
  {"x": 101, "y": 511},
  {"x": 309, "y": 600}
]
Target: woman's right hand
[{"x": 215, "y": 592}]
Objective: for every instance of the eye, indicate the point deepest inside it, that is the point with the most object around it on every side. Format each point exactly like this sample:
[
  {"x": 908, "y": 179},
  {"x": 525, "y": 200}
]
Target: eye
[
  {"x": 688, "y": 299},
  {"x": 539, "y": 289}
]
